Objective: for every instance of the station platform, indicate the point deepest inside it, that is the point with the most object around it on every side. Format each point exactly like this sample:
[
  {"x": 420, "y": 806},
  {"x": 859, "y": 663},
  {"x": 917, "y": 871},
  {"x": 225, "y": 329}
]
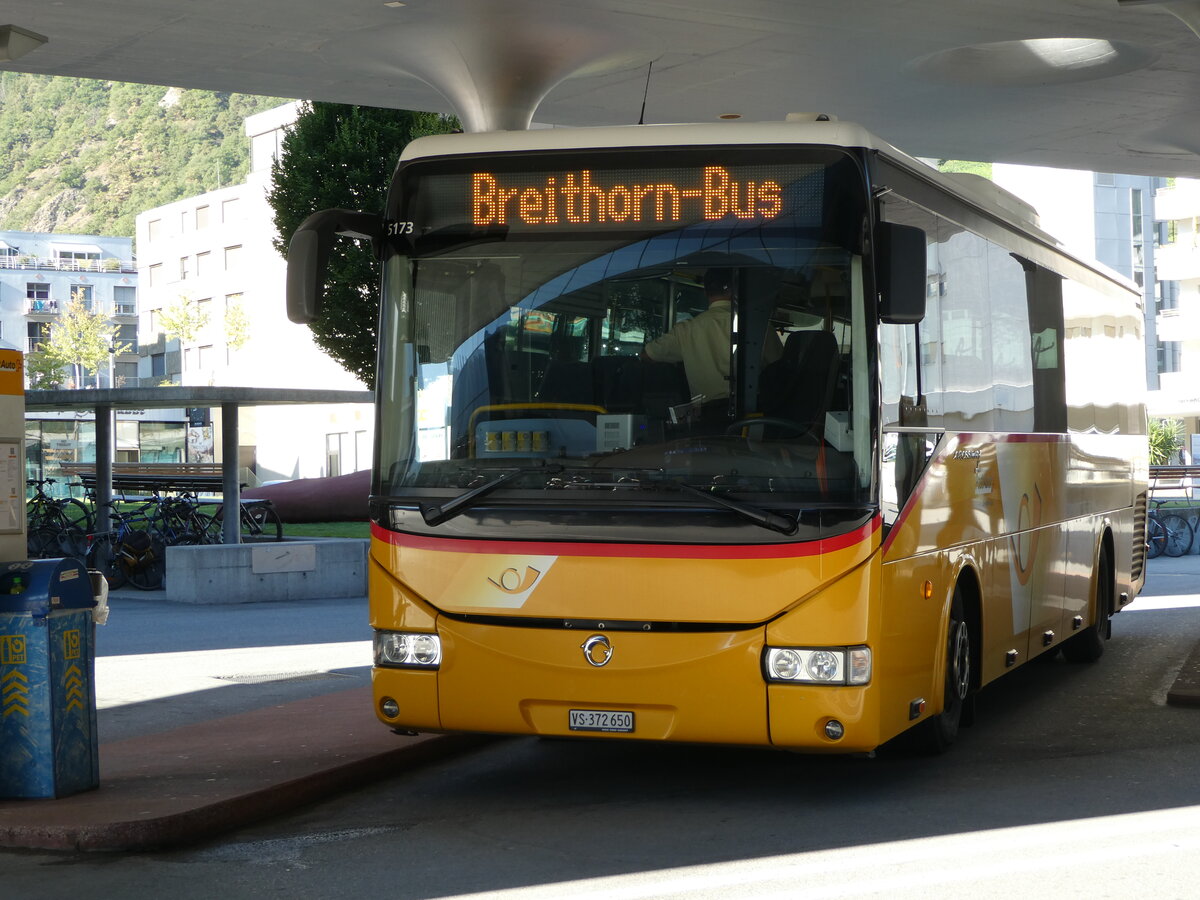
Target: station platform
[{"x": 191, "y": 783}]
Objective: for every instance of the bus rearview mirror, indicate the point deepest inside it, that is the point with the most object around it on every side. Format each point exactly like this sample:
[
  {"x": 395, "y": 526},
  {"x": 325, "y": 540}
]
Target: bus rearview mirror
[
  {"x": 308, "y": 256},
  {"x": 900, "y": 273}
]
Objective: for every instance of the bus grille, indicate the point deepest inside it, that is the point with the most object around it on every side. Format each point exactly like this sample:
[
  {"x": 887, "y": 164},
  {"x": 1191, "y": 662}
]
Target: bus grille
[{"x": 1139, "y": 537}]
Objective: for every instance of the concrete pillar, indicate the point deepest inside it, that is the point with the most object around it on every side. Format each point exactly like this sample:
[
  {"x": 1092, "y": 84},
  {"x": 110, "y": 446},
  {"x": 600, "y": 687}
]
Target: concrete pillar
[
  {"x": 231, "y": 482},
  {"x": 104, "y": 464}
]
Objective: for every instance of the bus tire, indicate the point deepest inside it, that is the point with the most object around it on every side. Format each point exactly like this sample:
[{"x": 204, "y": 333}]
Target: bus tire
[
  {"x": 942, "y": 730},
  {"x": 1088, "y": 645}
]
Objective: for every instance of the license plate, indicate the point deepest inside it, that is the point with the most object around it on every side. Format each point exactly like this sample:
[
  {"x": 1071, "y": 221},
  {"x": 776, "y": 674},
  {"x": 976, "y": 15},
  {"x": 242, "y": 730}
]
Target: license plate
[{"x": 600, "y": 720}]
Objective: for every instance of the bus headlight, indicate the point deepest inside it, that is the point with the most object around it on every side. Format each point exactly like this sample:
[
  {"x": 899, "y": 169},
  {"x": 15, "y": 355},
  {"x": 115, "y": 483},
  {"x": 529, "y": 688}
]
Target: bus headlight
[
  {"x": 819, "y": 665},
  {"x": 407, "y": 650}
]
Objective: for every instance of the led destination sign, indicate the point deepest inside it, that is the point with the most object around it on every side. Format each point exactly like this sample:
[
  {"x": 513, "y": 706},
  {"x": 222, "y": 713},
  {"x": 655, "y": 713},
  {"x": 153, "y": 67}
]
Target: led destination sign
[{"x": 629, "y": 197}]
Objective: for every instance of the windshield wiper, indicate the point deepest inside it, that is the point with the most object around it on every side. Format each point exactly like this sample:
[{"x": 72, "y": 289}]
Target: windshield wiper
[
  {"x": 780, "y": 522},
  {"x": 436, "y": 515}
]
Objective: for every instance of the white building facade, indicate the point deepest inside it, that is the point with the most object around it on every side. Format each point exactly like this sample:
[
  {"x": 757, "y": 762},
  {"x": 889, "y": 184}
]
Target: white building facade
[
  {"x": 1177, "y": 209},
  {"x": 214, "y": 254}
]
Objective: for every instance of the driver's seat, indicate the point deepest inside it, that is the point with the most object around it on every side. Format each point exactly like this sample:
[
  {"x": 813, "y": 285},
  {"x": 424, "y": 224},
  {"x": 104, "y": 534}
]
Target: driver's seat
[{"x": 800, "y": 385}]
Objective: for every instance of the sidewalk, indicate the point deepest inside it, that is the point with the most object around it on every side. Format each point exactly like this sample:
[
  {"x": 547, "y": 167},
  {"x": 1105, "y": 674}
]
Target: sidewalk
[
  {"x": 194, "y": 782},
  {"x": 1176, "y": 577},
  {"x": 178, "y": 769}
]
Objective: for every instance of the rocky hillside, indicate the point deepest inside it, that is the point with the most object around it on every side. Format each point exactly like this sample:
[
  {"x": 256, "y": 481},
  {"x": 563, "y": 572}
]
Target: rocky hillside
[{"x": 80, "y": 156}]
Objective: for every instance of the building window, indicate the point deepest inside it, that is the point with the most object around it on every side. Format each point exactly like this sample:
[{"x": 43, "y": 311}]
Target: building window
[
  {"x": 202, "y": 263},
  {"x": 204, "y": 357},
  {"x": 188, "y": 361},
  {"x": 153, "y": 230},
  {"x": 201, "y": 217},
  {"x": 155, "y": 275},
  {"x": 233, "y": 299},
  {"x": 158, "y": 365},
  {"x": 38, "y": 333},
  {"x": 125, "y": 374},
  {"x": 233, "y": 256},
  {"x": 77, "y": 259},
  {"x": 124, "y": 300},
  {"x": 83, "y": 293},
  {"x": 362, "y": 451},
  {"x": 333, "y": 454},
  {"x": 38, "y": 295},
  {"x": 183, "y": 268},
  {"x": 229, "y": 209},
  {"x": 1168, "y": 356},
  {"x": 127, "y": 334},
  {"x": 156, "y": 322}
]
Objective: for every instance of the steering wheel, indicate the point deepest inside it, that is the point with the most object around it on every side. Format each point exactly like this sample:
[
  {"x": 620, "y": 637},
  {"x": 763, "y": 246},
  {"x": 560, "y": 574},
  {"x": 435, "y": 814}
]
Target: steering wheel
[{"x": 788, "y": 424}]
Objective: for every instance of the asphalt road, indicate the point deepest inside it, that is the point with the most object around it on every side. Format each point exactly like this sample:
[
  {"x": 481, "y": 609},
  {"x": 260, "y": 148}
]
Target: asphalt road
[{"x": 1075, "y": 781}]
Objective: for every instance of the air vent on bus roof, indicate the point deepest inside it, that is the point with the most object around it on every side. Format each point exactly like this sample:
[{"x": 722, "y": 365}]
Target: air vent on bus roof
[
  {"x": 984, "y": 189},
  {"x": 810, "y": 117}
]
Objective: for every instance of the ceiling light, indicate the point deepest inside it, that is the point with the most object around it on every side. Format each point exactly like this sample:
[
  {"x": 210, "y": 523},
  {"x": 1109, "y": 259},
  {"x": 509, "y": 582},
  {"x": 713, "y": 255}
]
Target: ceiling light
[{"x": 15, "y": 42}]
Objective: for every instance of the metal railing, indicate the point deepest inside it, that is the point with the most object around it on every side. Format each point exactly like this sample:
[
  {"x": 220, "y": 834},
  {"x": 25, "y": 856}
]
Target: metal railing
[{"x": 108, "y": 264}]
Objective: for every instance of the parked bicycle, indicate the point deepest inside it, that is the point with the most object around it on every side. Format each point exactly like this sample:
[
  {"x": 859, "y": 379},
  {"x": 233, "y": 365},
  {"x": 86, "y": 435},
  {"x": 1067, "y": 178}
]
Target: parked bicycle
[
  {"x": 57, "y": 526},
  {"x": 1167, "y": 532},
  {"x": 132, "y": 552}
]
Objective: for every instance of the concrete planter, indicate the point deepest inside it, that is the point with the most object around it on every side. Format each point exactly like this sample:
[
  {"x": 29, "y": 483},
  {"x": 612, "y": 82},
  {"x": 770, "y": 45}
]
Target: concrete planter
[{"x": 278, "y": 570}]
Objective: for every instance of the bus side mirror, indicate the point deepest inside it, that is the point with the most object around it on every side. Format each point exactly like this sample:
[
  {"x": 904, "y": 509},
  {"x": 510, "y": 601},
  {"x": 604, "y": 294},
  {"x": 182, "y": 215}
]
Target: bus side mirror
[
  {"x": 308, "y": 256},
  {"x": 900, "y": 273}
]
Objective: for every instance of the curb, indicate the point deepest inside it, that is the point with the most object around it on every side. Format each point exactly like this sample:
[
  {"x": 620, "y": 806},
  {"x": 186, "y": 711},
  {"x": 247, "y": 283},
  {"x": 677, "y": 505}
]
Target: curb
[
  {"x": 1186, "y": 690},
  {"x": 197, "y": 781}
]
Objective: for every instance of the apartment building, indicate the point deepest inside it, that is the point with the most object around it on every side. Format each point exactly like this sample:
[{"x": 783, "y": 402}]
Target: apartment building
[
  {"x": 1177, "y": 211},
  {"x": 41, "y": 273},
  {"x": 212, "y": 255}
]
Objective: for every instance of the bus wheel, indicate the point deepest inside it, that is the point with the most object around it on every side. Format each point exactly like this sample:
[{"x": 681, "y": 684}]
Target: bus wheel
[
  {"x": 942, "y": 730},
  {"x": 1088, "y": 645}
]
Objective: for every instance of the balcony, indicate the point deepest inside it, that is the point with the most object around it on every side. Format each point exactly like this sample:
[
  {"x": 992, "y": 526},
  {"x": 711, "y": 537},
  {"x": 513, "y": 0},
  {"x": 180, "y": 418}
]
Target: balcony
[
  {"x": 125, "y": 309},
  {"x": 1179, "y": 324},
  {"x": 42, "y": 307},
  {"x": 1179, "y": 202},
  {"x": 1177, "y": 262},
  {"x": 111, "y": 264}
]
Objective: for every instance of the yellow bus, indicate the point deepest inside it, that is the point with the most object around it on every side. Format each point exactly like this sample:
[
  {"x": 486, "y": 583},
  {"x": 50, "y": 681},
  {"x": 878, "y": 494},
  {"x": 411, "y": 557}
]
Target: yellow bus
[{"x": 908, "y": 457}]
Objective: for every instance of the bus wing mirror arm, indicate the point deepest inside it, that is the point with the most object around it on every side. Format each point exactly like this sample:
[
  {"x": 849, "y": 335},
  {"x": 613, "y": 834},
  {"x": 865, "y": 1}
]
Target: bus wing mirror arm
[
  {"x": 900, "y": 273},
  {"x": 308, "y": 256}
]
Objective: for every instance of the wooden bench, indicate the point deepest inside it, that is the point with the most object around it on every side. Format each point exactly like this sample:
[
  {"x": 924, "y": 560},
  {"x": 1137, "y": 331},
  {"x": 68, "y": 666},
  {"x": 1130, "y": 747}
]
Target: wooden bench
[
  {"x": 1180, "y": 480},
  {"x": 161, "y": 477}
]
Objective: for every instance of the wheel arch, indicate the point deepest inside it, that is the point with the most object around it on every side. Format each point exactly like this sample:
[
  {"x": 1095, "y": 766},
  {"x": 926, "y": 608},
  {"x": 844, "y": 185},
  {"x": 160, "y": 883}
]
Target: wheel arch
[{"x": 969, "y": 581}]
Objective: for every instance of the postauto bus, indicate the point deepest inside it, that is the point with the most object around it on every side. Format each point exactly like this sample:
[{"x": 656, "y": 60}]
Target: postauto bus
[{"x": 923, "y": 463}]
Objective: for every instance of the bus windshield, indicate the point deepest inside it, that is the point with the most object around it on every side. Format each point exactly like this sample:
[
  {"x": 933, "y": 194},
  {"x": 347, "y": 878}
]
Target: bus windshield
[{"x": 617, "y": 324}]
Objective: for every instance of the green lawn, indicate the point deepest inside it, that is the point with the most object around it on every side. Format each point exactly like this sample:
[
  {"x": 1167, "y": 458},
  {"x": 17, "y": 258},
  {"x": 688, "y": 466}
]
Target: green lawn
[{"x": 327, "y": 529}]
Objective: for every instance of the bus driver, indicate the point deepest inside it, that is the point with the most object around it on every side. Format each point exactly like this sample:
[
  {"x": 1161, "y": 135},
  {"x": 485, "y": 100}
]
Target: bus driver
[{"x": 702, "y": 343}]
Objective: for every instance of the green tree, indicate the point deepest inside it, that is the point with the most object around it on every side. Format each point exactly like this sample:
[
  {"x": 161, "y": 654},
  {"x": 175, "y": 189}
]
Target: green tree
[
  {"x": 184, "y": 318},
  {"x": 45, "y": 370},
  {"x": 237, "y": 327},
  {"x": 83, "y": 339},
  {"x": 1166, "y": 439},
  {"x": 343, "y": 157}
]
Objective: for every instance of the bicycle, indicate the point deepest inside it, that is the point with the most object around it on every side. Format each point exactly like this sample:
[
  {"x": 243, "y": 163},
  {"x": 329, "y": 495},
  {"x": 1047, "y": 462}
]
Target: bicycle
[
  {"x": 1168, "y": 533},
  {"x": 257, "y": 521},
  {"x": 129, "y": 554},
  {"x": 57, "y": 526}
]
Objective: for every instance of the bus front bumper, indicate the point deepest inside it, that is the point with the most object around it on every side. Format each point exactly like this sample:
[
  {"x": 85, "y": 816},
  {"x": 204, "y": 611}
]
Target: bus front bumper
[{"x": 702, "y": 687}]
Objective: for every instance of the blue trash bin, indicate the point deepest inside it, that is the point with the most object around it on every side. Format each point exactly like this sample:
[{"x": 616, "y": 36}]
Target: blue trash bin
[{"x": 48, "y": 741}]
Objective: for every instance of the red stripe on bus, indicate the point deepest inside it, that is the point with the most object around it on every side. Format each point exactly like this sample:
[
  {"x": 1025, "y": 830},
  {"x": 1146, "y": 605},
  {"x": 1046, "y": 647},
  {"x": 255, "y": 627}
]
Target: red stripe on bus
[{"x": 630, "y": 551}]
